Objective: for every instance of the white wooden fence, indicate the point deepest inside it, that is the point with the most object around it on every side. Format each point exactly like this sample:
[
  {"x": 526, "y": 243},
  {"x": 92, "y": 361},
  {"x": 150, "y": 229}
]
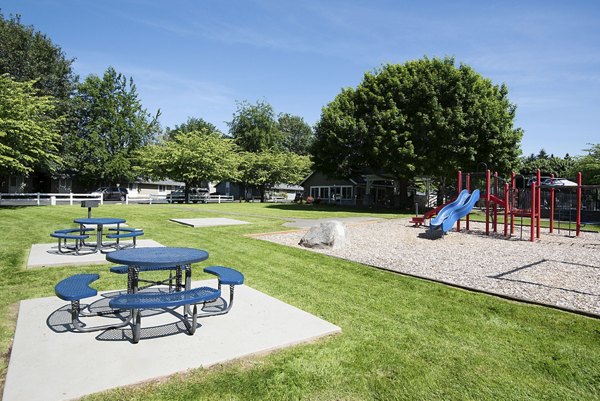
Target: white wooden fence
[{"x": 44, "y": 199}]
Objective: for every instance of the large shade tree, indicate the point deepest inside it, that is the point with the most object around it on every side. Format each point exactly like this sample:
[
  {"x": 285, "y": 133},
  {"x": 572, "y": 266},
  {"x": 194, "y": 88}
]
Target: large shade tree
[
  {"x": 265, "y": 169},
  {"x": 29, "y": 135},
  {"x": 29, "y": 55},
  {"x": 424, "y": 117},
  {"x": 296, "y": 135},
  {"x": 254, "y": 127},
  {"x": 192, "y": 124},
  {"x": 588, "y": 165},
  {"x": 547, "y": 164},
  {"x": 111, "y": 125},
  {"x": 190, "y": 157}
]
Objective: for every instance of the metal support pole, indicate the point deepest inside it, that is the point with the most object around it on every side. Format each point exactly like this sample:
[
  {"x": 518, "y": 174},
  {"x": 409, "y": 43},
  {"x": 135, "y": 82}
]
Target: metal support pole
[
  {"x": 513, "y": 192},
  {"x": 495, "y": 204},
  {"x": 578, "y": 217},
  {"x": 506, "y": 209},
  {"x": 552, "y": 207},
  {"x": 539, "y": 201},
  {"x": 468, "y": 189},
  {"x": 533, "y": 205},
  {"x": 487, "y": 202},
  {"x": 459, "y": 188}
]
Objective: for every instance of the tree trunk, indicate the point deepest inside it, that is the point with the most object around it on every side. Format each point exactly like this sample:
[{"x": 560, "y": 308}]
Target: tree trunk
[
  {"x": 262, "y": 193},
  {"x": 186, "y": 193},
  {"x": 403, "y": 193}
]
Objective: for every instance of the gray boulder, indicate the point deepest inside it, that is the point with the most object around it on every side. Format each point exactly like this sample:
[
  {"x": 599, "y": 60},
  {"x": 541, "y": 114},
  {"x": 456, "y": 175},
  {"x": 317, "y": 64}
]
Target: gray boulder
[{"x": 331, "y": 234}]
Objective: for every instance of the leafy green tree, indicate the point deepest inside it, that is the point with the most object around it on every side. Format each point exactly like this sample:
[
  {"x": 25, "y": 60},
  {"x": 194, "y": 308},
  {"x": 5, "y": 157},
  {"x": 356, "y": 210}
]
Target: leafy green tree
[
  {"x": 191, "y": 157},
  {"x": 29, "y": 55},
  {"x": 424, "y": 117},
  {"x": 254, "y": 127},
  {"x": 111, "y": 125},
  {"x": 297, "y": 135},
  {"x": 548, "y": 164},
  {"x": 29, "y": 135},
  {"x": 265, "y": 169},
  {"x": 589, "y": 165},
  {"x": 192, "y": 124}
]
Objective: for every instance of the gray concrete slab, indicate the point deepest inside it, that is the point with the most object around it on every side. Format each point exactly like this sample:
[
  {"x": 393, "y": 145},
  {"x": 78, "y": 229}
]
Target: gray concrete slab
[
  {"x": 209, "y": 222},
  {"x": 47, "y": 255},
  {"x": 49, "y": 362}
]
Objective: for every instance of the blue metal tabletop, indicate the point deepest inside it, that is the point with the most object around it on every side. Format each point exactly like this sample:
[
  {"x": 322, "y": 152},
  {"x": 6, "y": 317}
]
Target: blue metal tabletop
[
  {"x": 99, "y": 220},
  {"x": 157, "y": 256}
]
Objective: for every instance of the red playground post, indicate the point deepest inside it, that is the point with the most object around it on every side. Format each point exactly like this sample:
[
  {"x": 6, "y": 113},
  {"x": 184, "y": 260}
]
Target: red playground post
[
  {"x": 468, "y": 189},
  {"x": 533, "y": 203},
  {"x": 551, "y": 207},
  {"x": 459, "y": 188},
  {"x": 487, "y": 202},
  {"x": 578, "y": 218},
  {"x": 538, "y": 205}
]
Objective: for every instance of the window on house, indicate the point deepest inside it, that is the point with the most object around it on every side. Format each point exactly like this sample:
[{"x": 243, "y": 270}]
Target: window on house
[
  {"x": 346, "y": 192},
  {"x": 162, "y": 188}
]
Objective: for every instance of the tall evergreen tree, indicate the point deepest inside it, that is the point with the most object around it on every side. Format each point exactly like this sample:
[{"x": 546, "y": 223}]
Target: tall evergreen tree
[{"x": 111, "y": 125}]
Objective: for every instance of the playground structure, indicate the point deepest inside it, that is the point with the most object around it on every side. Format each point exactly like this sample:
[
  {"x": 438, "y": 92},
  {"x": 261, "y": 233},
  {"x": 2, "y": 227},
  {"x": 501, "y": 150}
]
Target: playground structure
[{"x": 506, "y": 199}]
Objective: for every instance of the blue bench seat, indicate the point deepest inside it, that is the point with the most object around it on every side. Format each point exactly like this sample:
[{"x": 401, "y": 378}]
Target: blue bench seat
[
  {"x": 151, "y": 300},
  {"x": 227, "y": 275},
  {"x": 64, "y": 236},
  {"x": 145, "y": 300},
  {"x": 125, "y": 234},
  {"x": 76, "y": 287},
  {"x": 126, "y": 229}
]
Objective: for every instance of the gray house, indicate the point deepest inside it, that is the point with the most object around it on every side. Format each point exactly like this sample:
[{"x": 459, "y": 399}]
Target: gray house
[{"x": 359, "y": 190}]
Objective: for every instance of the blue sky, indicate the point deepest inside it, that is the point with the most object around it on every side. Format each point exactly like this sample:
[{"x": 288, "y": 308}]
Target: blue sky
[{"x": 197, "y": 58}]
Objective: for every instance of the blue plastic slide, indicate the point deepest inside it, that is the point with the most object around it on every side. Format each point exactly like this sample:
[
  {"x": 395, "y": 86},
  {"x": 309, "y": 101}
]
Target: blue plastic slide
[
  {"x": 456, "y": 210},
  {"x": 446, "y": 210}
]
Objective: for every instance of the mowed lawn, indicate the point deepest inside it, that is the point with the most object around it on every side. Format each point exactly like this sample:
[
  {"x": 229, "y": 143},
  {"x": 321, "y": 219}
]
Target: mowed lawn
[{"x": 402, "y": 338}]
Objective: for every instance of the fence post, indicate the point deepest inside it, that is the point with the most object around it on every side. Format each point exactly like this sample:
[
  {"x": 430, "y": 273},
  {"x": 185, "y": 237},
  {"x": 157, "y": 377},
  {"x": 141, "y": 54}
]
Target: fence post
[
  {"x": 150, "y": 201},
  {"x": 71, "y": 198},
  {"x": 127, "y": 199},
  {"x": 38, "y": 198},
  {"x": 219, "y": 199}
]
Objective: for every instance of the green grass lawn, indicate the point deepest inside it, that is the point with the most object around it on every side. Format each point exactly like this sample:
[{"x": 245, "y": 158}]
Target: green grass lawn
[{"x": 402, "y": 338}]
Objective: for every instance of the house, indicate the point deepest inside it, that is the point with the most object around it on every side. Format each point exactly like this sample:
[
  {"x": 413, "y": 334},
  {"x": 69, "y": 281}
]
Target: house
[
  {"x": 359, "y": 190},
  {"x": 36, "y": 182},
  {"x": 144, "y": 188},
  {"x": 285, "y": 192}
]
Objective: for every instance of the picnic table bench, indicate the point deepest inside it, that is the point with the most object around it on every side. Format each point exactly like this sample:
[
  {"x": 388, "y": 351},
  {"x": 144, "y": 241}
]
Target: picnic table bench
[
  {"x": 77, "y": 287},
  {"x": 74, "y": 289}
]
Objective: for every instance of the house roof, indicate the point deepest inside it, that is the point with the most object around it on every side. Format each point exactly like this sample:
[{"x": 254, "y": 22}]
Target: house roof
[{"x": 163, "y": 182}]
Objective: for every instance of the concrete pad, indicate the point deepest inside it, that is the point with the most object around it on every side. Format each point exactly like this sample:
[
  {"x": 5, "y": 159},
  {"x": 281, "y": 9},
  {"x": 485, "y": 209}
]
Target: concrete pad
[
  {"x": 210, "y": 222},
  {"x": 50, "y": 362},
  {"x": 47, "y": 255}
]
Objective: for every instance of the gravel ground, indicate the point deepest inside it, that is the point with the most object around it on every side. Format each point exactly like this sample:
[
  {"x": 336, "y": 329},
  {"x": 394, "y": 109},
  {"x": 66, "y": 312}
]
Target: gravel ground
[{"x": 556, "y": 270}]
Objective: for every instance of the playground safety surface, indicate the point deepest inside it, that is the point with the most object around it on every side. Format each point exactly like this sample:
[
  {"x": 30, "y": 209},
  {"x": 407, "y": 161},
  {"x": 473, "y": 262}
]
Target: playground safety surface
[{"x": 557, "y": 271}]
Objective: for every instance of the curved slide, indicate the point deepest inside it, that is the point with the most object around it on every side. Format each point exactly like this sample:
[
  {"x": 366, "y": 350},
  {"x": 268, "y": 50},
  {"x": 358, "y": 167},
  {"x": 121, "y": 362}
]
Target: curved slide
[
  {"x": 447, "y": 209},
  {"x": 456, "y": 210}
]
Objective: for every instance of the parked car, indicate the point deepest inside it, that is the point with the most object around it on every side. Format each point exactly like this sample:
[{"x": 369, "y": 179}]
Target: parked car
[
  {"x": 196, "y": 195},
  {"x": 559, "y": 182},
  {"x": 111, "y": 193}
]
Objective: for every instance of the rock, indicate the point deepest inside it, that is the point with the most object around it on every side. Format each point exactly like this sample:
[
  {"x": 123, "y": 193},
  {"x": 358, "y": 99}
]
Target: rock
[{"x": 331, "y": 234}]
